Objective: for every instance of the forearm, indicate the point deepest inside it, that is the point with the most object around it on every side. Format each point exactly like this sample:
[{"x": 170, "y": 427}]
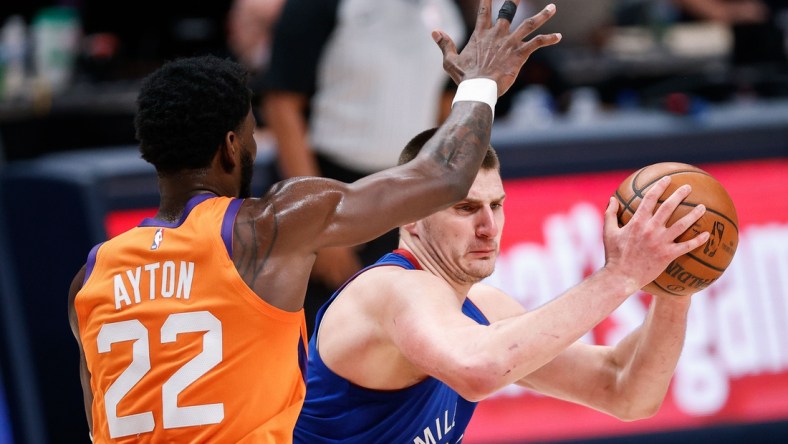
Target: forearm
[
  {"x": 284, "y": 114},
  {"x": 439, "y": 176},
  {"x": 525, "y": 343},
  {"x": 452, "y": 158},
  {"x": 648, "y": 356}
]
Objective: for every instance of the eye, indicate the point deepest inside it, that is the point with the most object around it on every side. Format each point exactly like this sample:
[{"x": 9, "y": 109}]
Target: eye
[{"x": 496, "y": 206}]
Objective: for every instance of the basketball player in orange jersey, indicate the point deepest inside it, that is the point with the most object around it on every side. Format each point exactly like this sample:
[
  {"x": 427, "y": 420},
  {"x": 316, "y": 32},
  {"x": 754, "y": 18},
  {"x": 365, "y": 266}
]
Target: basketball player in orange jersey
[
  {"x": 420, "y": 338},
  {"x": 190, "y": 325}
]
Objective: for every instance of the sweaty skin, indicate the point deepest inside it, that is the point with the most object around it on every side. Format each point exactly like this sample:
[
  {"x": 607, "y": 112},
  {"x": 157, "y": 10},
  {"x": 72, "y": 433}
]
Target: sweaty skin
[{"x": 276, "y": 236}]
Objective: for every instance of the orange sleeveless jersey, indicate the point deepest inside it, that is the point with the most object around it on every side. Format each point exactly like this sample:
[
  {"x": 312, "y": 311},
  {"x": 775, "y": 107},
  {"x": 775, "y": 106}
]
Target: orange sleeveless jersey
[{"x": 179, "y": 348}]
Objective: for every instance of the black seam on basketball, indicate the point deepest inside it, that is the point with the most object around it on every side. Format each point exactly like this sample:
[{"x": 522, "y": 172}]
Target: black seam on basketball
[
  {"x": 635, "y": 191},
  {"x": 639, "y": 192},
  {"x": 626, "y": 203},
  {"x": 626, "y": 207},
  {"x": 704, "y": 263},
  {"x": 672, "y": 173},
  {"x": 708, "y": 210},
  {"x": 622, "y": 201}
]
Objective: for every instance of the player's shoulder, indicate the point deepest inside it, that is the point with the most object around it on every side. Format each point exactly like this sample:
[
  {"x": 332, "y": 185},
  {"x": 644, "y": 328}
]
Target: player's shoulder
[
  {"x": 396, "y": 273},
  {"x": 390, "y": 282},
  {"x": 293, "y": 196},
  {"x": 301, "y": 190},
  {"x": 390, "y": 274},
  {"x": 292, "y": 216}
]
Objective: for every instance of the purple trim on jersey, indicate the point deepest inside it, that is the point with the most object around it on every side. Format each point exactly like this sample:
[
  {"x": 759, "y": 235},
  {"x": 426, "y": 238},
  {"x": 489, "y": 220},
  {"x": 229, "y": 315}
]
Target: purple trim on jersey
[
  {"x": 91, "y": 262},
  {"x": 302, "y": 357},
  {"x": 228, "y": 223},
  {"x": 193, "y": 202}
]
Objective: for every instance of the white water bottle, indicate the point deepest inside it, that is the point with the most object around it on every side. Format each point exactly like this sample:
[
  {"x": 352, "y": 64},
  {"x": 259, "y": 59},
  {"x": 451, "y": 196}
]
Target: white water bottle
[
  {"x": 13, "y": 51},
  {"x": 56, "y": 36}
]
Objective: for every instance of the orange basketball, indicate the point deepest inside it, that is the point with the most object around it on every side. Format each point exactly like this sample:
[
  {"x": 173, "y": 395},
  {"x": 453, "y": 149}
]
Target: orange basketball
[{"x": 699, "y": 268}]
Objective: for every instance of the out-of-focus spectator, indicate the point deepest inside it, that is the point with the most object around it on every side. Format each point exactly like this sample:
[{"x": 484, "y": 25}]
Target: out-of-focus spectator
[
  {"x": 250, "y": 27},
  {"x": 349, "y": 83},
  {"x": 727, "y": 11},
  {"x": 759, "y": 27}
]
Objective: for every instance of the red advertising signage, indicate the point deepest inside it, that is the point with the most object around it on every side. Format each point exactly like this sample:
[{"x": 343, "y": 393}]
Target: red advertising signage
[{"x": 734, "y": 366}]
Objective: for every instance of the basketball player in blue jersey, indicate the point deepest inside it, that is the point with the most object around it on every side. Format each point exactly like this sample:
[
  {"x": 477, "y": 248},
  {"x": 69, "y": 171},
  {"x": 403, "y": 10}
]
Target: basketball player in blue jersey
[
  {"x": 248, "y": 260},
  {"x": 403, "y": 351}
]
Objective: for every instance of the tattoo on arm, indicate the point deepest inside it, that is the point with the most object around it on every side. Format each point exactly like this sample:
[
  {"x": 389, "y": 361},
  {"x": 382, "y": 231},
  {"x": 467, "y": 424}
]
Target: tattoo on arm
[
  {"x": 247, "y": 263},
  {"x": 455, "y": 150}
]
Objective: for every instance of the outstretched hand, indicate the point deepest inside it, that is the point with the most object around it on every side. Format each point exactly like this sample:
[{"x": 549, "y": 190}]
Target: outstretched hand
[
  {"x": 642, "y": 249},
  {"x": 492, "y": 51}
]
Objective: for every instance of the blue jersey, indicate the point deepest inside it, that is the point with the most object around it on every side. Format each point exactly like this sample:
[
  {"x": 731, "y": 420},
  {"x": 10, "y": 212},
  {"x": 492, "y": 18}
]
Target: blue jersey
[{"x": 336, "y": 410}]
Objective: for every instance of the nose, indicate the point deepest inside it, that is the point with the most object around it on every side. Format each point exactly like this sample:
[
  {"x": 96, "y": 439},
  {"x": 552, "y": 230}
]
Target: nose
[{"x": 486, "y": 223}]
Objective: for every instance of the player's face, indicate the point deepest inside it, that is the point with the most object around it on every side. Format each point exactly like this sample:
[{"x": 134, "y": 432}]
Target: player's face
[
  {"x": 465, "y": 238},
  {"x": 248, "y": 154}
]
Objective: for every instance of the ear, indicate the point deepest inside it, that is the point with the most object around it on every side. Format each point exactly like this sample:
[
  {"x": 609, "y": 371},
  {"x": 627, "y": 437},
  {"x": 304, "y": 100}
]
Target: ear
[{"x": 227, "y": 151}]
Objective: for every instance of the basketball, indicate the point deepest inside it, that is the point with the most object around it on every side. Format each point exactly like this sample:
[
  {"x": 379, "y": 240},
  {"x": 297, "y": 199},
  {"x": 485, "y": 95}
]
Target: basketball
[{"x": 701, "y": 267}]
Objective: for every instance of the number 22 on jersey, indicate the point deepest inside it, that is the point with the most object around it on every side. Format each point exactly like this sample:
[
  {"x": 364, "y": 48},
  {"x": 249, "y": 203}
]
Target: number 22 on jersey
[{"x": 173, "y": 415}]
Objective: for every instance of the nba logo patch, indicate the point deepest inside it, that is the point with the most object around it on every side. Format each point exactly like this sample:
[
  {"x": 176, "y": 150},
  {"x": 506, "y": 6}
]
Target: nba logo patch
[
  {"x": 715, "y": 239},
  {"x": 157, "y": 239}
]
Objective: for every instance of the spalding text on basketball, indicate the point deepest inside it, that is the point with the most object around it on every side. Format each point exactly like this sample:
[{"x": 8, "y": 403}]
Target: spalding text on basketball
[{"x": 675, "y": 270}]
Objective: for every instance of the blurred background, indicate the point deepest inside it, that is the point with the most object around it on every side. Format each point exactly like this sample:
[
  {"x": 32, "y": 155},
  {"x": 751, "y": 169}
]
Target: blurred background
[{"x": 632, "y": 83}]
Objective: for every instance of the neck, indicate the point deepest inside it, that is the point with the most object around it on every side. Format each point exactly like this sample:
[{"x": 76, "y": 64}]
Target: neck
[
  {"x": 433, "y": 264},
  {"x": 176, "y": 189}
]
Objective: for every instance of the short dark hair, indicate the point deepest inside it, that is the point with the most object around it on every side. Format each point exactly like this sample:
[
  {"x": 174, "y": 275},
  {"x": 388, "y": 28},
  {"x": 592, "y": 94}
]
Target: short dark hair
[
  {"x": 185, "y": 109},
  {"x": 414, "y": 146}
]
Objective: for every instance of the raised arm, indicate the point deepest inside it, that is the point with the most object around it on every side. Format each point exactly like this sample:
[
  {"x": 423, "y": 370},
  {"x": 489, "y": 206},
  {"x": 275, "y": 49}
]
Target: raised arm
[
  {"x": 300, "y": 36},
  {"x": 446, "y": 167},
  {"x": 298, "y": 217},
  {"x": 284, "y": 113}
]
